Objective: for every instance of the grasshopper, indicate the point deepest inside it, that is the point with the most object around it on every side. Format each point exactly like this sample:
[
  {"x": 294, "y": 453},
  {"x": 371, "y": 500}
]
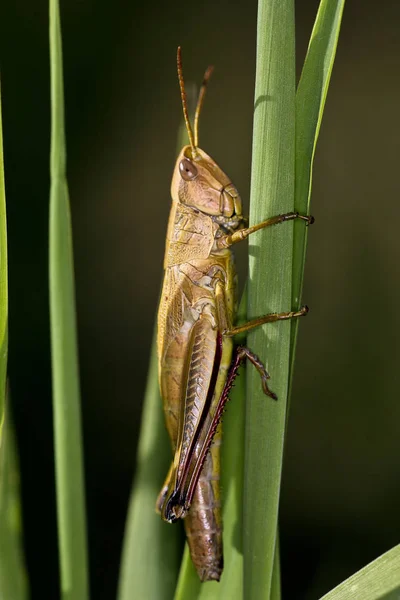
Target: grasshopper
[{"x": 196, "y": 325}]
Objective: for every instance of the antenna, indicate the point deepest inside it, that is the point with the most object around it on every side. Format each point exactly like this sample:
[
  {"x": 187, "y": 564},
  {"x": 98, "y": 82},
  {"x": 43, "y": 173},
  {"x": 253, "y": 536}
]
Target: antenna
[
  {"x": 200, "y": 103},
  {"x": 184, "y": 102}
]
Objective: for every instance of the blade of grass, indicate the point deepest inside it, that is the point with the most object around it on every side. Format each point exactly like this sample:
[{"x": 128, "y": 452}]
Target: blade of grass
[
  {"x": 13, "y": 579},
  {"x": 270, "y": 266},
  {"x": 3, "y": 283},
  {"x": 310, "y": 102},
  {"x": 189, "y": 586},
  {"x": 377, "y": 581},
  {"x": 276, "y": 591},
  {"x": 66, "y": 396},
  {"x": 152, "y": 549}
]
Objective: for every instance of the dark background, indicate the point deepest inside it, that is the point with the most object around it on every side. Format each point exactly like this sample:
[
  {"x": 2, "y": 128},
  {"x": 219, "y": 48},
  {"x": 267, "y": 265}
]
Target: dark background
[{"x": 341, "y": 489}]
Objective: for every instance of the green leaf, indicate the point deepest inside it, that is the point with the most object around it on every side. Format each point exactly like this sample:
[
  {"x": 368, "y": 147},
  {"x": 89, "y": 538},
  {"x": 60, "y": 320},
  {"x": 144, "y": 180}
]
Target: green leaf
[
  {"x": 277, "y": 157},
  {"x": 270, "y": 267},
  {"x": 377, "y": 581},
  {"x": 276, "y": 591},
  {"x": 310, "y": 101},
  {"x": 13, "y": 578},
  {"x": 66, "y": 396},
  {"x": 152, "y": 548},
  {"x": 3, "y": 284}
]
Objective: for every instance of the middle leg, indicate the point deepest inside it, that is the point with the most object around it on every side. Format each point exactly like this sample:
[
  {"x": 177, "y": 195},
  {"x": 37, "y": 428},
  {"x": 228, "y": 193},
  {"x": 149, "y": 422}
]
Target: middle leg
[{"x": 270, "y": 318}]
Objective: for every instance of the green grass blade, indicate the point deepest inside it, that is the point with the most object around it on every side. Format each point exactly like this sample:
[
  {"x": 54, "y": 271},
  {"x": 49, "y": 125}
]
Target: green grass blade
[
  {"x": 189, "y": 585},
  {"x": 272, "y": 193},
  {"x": 276, "y": 591},
  {"x": 377, "y": 581},
  {"x": 310, "y": 101},
  {"x": 273, "y": 179},
  {"x": 66, "y": 396},
  {"x": 3, "y": 283},
  {"x": 13, "y": 578},
  {"x": 13, "y": 581},
  {"x": 152, "y": 549}
]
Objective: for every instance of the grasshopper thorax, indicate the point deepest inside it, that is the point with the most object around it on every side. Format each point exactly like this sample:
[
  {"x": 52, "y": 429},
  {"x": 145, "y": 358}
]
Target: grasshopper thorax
[{"x": 198, "y": 182}]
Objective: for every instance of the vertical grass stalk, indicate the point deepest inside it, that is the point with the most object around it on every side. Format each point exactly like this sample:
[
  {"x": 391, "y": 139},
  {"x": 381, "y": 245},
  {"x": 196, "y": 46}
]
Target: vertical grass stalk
[
  {"x": 270, "y": 290},
  {"x": 284, "y": 139},
  {"x": 310, "y": 102},
  {"x": 3, "y": 284},
  {"x": 13, "y": 578},
  {"x": 152, "y": 549},
  {"x": 66, "y": 394},
  {"x": 13, "y": 581}
]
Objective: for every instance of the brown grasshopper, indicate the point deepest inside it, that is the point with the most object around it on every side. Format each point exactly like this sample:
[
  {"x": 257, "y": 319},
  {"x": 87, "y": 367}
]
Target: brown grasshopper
[{"x": 196, "y": 324}]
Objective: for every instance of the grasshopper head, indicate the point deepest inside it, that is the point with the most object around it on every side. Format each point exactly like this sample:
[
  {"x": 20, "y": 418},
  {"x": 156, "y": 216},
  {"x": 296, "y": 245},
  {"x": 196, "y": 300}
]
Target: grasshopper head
[{"x": 200, "y": 183}]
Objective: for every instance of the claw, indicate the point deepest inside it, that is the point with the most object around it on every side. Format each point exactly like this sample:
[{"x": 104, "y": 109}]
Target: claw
[{"x": 267, "y": 391}]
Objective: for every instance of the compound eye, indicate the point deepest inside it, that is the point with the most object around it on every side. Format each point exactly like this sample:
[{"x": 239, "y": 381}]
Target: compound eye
[{"x": 187, "y": 169}]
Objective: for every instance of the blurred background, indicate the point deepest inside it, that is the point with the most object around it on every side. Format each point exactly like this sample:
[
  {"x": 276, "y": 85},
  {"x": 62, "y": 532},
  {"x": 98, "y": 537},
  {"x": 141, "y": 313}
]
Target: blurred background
[{"x": 341, "y": 481}]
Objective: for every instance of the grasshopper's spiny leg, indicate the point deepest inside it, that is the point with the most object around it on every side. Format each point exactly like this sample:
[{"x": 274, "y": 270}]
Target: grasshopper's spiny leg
[
  {"x": 271, "y": 318},
  {"x": 240, "y": 353},
  {"x": 244, "y": 352},
  {"x": 228, "y": 240}
]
